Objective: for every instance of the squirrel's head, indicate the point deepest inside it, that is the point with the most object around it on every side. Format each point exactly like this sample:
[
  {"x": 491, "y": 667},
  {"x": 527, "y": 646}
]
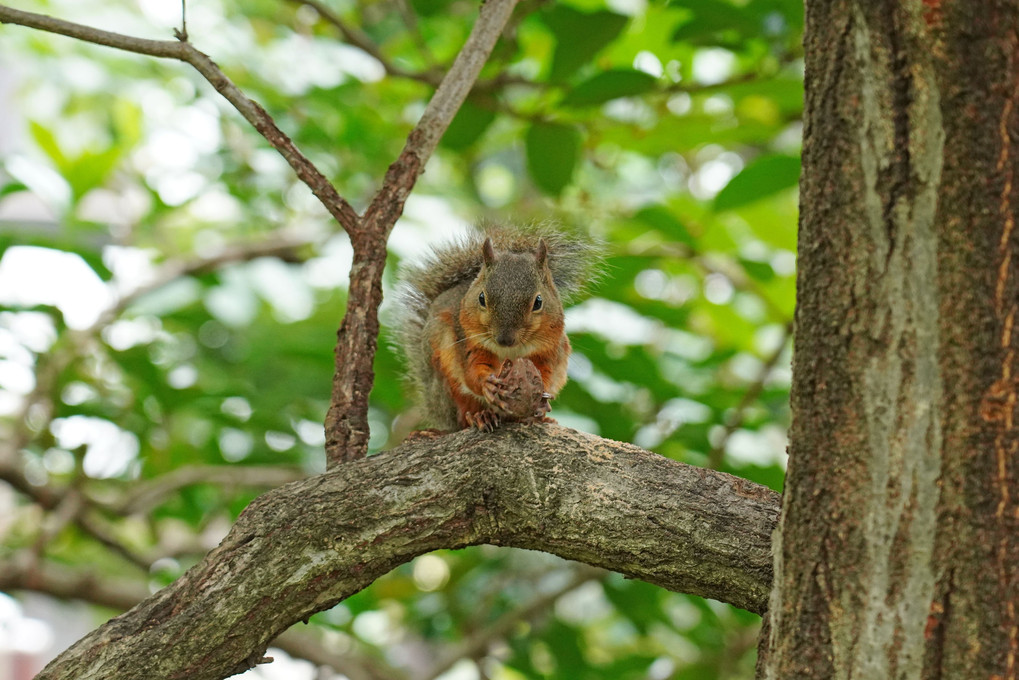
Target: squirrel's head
[{"x": 514, "y": 300}]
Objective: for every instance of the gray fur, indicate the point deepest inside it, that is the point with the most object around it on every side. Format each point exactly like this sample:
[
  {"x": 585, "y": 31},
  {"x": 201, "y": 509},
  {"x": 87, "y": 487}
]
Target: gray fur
[{"x": 448, "y": 270}]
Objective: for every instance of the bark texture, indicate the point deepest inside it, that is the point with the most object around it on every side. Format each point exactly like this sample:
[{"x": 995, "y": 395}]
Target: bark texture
[
  {"x": 898, "y": 552},
  {"x": 306, "y": 546},
  {"x": 974, "y": 621}
]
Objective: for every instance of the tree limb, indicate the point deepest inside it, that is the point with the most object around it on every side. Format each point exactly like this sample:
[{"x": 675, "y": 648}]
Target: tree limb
[
  {"x": 186, "y": 52},
  {"x": 735, "y": 419},
  {"x": 121, "y": 594},
  {"x": 146, "y": 495},
  {"x": 305, "y": 546},
  {"x": 359, "y": 39},
  {"x": 473, "y": 646}
]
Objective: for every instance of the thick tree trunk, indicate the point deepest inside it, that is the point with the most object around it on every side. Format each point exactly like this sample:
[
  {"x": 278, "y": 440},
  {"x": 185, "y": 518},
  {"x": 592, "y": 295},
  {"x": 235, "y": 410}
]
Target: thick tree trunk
[
  {"x": 898, "y": 549},
  {"x": 305, "y": 546}
]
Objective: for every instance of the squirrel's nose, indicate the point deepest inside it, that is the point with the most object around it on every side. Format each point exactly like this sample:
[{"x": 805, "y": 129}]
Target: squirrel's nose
[{"x": 506, "y": 338}]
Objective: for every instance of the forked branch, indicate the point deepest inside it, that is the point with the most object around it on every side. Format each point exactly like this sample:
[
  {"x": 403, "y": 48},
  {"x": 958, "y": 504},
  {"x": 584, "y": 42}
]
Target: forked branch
[
  {"x": 347, "y": 420},
  {"x": 357, "y": 341}
]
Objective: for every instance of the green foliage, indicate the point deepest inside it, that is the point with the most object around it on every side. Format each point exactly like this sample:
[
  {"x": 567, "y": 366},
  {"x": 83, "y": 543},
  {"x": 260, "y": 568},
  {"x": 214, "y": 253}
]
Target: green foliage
[
  {"x": 609, "y": 85},
  {"x": 761, "y": 179},
  {"x": 552, "y": 154},
  {"x": 672, "y": 134},
  {"x": 579, "y": 37}
]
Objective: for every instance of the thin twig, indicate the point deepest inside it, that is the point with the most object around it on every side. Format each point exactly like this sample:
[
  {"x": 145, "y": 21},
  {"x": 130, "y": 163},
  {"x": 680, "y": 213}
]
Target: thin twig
[
  {"x": 307, "y": 645},
  {"x": 147, "y": 495},
  {"x": 276, "y": 245},
  {"x": 186, "y": 52},
  {"x": 71, "y": 584},
  {"x": 91, "y": 524},
  {"x": 66, "y": 583},
  {"x": 182, "y": 34},
  {"x": 359, "y": 39},
  {"x": 735, "y": 421},
  {"x": 474, "y": 645}
]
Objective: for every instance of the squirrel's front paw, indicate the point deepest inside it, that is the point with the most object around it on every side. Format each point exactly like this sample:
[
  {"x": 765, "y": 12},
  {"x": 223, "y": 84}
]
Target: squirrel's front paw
[
  {"x": 486, "y": 421},
  {"x": 495, "y": 390},
  {"x": 517, "y": 393}
]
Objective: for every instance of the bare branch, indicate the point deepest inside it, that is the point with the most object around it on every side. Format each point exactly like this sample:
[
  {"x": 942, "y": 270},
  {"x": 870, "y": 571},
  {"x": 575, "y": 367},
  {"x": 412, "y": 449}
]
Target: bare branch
[
  {"x": 99, "y": 529},
  {"x": 276, "y": 245},
  {"x": 307, "y": 645},
  {"x": 147, "y": 495},
  {"x": 347, "y": 420},
  {"x": 474, "y": 645},
  {"x": 359, "y": 39},
  {"x": 305, "y": 546},
  {"x": 73, "y": 584},
  {"x": 717, "y": 453},
  {"x": 251, "y": 110}
]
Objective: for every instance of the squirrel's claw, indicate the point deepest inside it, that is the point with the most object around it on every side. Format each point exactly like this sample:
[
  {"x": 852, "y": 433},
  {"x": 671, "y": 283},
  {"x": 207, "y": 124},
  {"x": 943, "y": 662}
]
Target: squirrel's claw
[
  {"x": 494, "y": 391},
  {"x": 486, "y": 421}
]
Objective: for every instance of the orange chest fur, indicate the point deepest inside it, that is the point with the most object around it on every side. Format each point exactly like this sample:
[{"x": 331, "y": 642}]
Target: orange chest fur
[{"x": 465, "y": 363}]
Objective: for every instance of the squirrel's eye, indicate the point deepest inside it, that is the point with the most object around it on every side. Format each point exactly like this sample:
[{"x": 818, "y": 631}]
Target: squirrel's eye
[
  {"x": 481, "y": 300},
  {"x": 537, "y": 303}
]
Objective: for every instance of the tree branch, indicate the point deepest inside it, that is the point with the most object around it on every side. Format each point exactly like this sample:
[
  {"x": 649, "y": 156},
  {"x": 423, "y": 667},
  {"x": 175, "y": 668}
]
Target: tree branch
[
  {"x": 474, "y": 645},
  {"x": 735, "y": 420},
  {"x": 147, "y": 495},
  {"x": 305, "y": 546},
  {"x": 72, "y": 584},
  {"x": 360, "y": 40},
  {"x": 346, "y": 422},
  {"x": 251, "y": 110}
]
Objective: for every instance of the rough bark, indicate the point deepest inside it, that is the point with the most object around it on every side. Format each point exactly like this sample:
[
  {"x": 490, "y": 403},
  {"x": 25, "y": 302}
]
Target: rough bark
[
  {"x": 897, "y": 553},
  {"x": 974, "y": 621},
  {"x": 305, "y": 546}
]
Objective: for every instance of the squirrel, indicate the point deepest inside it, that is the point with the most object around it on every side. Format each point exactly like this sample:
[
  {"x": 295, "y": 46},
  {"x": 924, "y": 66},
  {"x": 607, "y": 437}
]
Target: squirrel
[{"x": 474, "y": 310}]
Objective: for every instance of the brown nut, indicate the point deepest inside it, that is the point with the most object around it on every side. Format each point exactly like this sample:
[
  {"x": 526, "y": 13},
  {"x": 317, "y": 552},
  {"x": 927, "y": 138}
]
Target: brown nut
[{"x": 521, "y": 391}]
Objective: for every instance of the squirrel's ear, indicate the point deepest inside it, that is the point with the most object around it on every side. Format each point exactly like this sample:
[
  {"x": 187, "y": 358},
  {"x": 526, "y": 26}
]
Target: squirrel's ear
[
  {"x": 488, "y": 252},
  {"x": 542, "y": 253}
]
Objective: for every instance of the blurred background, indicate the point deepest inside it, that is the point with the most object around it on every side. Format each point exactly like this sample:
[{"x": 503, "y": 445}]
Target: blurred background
[{"x": 170, "y": 294}]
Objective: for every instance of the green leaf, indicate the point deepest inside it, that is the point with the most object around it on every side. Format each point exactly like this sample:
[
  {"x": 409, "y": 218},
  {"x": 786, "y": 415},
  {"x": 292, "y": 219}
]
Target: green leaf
[
  {"x": 467, "y": 126},
  {"x": 92, "y": 169},
  {"x": 47, "y": 141},
  {"x": 567, "y": 645},
  {"x": 759, "y": 271},
  {"x": 11, "y": 188},
  {"x": 663, "y": 219},
  {"x": 610, "y": 85},
  {"x": 764, "y": 177},
  {"x": 711, "y": 18},
  {"x": 552, "y": 153},
  {"x": 579, "y": 36}
]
